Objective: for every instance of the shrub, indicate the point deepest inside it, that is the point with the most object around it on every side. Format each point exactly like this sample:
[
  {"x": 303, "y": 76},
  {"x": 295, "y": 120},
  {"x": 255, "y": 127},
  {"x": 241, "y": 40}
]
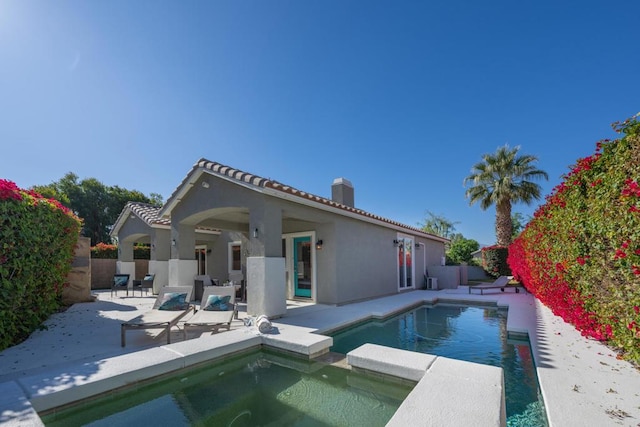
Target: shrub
[
  {"x": 580, "y": 255},
  {"x": 141, "y": 251},
  {"x": 107, "y": 251},
  {"x": 494, "y": 261},
  {"x": 461, "y": 249},
  {"x": 37, "y": 242},
  {"x": 104, "y": 251}
]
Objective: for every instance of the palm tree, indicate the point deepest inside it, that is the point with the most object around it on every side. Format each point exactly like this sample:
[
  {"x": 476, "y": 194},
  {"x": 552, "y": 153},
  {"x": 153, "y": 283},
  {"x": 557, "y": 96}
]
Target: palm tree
[
  {"x": 504, "y": 178},
  {"x": 438, "y": 225}
]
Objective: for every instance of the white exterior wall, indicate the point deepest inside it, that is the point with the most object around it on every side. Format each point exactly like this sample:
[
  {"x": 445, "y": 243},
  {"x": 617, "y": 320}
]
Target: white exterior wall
[
  {"x": 266, "y": 287},
  {"x": 161, "y": 270},
  {"x": 182, "y": 272}
]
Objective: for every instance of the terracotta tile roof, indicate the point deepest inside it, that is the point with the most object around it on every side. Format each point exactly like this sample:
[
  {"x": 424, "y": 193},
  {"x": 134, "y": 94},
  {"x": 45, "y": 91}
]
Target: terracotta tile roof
[
  {"x": 148, "y": 213},
  {"x": 248, "y": 178}
]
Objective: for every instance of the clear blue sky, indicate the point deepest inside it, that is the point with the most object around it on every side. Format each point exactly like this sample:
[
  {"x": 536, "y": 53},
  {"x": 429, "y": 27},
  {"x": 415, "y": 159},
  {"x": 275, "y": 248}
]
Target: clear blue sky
[{"x": 401, "y": 98}]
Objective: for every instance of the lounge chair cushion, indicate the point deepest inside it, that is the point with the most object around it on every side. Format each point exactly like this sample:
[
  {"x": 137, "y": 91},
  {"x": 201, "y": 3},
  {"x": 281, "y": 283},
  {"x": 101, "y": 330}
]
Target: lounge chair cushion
[
  {"x": 174, "y": 301},
  {"x": 218, "y": 303}
]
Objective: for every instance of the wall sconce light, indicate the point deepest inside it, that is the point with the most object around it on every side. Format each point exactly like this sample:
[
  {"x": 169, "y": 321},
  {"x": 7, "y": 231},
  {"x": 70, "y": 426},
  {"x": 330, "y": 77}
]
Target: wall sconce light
[
  {"x": 255, "y": 233},
  {"x": 417, "y": 245},
  {"x": 208, "y": 251},
  {"x": 319, "y": 244},
  {"x": 173, "y": 242},
  {"x": 396, "y": 242},
  {"x": 153, "y": 246},
  {"x": 205, "y": 184}
]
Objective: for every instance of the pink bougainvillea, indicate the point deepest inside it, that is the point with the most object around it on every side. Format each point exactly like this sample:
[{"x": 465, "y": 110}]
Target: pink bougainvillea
[
  {"x": 580, "y": 254},
  {"x": 39, "y": 237},
  {"x": 9, "y": 190}
]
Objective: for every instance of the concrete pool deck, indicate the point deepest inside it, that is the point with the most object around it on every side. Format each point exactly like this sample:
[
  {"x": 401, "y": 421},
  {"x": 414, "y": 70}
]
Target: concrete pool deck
[{"x": 581, "y": 380}]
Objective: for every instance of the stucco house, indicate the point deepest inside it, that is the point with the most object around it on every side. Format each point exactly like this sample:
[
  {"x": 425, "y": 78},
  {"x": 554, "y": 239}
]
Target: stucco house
[{"x": 282, "y": 242}]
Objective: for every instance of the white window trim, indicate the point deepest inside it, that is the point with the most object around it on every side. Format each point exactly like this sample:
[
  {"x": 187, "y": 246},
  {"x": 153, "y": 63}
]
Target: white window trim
[
  {"x": 413, "y": 264},
  {"x": 289, "y": 259}
]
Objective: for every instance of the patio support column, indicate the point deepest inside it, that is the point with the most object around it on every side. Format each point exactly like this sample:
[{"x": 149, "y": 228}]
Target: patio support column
[
  {"x": 182, "y": 265},
  {"x": 266, "y": 287},
  {"x": 125, "y": 263},
  {"x": 160, "y": 254}
]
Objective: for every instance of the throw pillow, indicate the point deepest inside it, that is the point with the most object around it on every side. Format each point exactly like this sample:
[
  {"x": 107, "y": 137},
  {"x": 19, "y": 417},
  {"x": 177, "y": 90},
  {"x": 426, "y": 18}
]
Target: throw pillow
[
  {"x": 174, "y": 301},
  {"x": 218, "y": 303}
]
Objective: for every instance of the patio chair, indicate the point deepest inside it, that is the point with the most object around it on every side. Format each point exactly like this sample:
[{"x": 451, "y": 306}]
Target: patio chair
[
  {"x": 120, "y": 281},
  {"x": 217, "y": 309},
  {"x": 145, "y": 284},
  {"x": 171, "y": 305}
]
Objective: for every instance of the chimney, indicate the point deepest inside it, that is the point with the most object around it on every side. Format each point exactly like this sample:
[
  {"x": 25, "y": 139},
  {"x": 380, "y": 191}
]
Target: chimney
[{"x": 342, "y": 192}]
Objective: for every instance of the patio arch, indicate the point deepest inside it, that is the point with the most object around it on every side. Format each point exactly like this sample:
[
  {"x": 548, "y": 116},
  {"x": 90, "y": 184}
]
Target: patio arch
[{"x": 217, "y": 203}]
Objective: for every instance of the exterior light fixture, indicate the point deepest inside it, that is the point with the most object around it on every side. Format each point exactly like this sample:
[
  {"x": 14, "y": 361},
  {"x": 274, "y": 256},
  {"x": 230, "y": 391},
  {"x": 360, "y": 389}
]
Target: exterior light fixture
[
  {"x": 173, "y": 242},
  {"x": 396, "y": 242},
  {"x": 205, "y": 184},
  {"x": 319, "y": 244},
  {"x": 255, "y": 233}
]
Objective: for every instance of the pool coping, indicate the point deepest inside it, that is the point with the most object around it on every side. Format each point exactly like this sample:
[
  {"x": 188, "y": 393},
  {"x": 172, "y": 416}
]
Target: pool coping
[{"x": 561, "y": 355}]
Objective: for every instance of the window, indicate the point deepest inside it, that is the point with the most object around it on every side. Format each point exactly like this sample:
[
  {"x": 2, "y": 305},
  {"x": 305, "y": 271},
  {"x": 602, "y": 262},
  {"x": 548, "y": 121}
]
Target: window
[{"x": 235, "y": 256}]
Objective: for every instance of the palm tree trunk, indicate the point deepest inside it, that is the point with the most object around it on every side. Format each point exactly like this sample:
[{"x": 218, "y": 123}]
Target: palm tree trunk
[{"x": 503, "y": 223}]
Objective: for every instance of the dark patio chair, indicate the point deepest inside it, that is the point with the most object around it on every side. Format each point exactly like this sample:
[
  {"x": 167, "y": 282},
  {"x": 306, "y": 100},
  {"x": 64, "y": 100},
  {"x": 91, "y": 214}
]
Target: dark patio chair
[
  {"x": 120, "y": 281},
  {"x": 145, "y": 284}
]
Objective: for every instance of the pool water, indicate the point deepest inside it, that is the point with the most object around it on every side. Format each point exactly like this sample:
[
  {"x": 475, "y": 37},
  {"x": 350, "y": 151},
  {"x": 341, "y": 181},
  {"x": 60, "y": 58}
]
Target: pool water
[
  {"x": 261, "y": 388},
  {"x": 473, "y": 334}
]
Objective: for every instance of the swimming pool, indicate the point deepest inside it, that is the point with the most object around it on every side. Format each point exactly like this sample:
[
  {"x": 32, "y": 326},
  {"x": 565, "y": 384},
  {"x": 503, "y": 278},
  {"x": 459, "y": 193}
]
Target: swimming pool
[
  {"x": 473, "y": 334},
  {"x": 260, "y": 388}
]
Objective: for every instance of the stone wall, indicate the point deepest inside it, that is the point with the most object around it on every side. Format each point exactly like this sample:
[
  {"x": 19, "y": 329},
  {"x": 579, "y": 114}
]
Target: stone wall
[
  {"x": 102, "y": 273},
  {"x": 104, "y": 269},
  {"x": 79, "y": 279}
]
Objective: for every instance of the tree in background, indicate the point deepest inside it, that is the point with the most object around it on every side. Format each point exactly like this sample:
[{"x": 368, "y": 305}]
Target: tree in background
[
  {"x": 97, "y": 204},
  {"x": 438, "y": 225},
  {"x": 518, "y": 222},
  {"x": 461, "y": 249},
  {"x": 501, "y": 179}
]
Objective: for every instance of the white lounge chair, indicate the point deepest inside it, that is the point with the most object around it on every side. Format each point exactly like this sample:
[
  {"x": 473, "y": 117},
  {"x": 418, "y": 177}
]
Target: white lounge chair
[
  {"x": 171, "y": 305},
  {"x": 216, "y": 310}
]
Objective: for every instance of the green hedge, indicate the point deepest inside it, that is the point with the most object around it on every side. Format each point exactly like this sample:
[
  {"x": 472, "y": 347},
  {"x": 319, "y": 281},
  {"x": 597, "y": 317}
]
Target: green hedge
[
  {"x": 580, "y": 255},
  {"x": 494, "y": 261},
  {"x": 38, "y": 237}
]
